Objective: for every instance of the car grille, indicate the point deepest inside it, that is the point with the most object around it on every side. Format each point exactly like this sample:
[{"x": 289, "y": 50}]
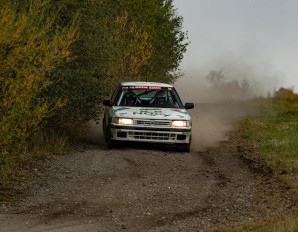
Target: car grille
[
  {"x": 152, "y": 136},
  {"x": 152, "y": 123}
]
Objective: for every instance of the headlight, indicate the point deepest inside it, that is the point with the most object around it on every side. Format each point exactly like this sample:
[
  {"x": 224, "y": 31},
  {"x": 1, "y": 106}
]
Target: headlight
[
  {"x": 180, "y": 123},
  {"x": 123, "y": 121}
]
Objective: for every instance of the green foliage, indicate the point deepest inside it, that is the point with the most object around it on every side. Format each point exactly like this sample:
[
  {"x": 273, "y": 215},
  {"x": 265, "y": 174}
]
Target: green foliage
[
  {"x": 132, "y": 52},
  {"x": 30, "y": 49},
  {"x": 160, "y": 21}
]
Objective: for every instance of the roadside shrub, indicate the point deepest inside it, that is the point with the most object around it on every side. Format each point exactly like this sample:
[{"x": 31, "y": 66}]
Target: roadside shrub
[
  {"x": 30, "y": 48},
  {"x": 286, "y": 93}
]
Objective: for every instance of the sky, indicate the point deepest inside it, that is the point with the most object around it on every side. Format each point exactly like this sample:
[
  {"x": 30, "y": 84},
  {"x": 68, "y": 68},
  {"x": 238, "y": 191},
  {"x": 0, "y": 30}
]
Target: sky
[{"x": 246, "y": 39}]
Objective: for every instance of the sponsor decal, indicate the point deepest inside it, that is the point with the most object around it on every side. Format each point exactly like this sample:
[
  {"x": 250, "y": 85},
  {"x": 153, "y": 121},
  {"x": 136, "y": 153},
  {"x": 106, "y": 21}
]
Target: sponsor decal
[
  {"x": 151, "y": 113},
  {"x": 142, "y": 87},
  {"x": 151, "y": 109},
  {"x": 147, "y": 88},
  {"x": 180, "y": 111}
]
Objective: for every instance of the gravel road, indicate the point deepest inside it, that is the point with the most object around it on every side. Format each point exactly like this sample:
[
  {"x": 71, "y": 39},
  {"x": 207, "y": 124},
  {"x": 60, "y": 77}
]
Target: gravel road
[{"x": 151, "y": 188}]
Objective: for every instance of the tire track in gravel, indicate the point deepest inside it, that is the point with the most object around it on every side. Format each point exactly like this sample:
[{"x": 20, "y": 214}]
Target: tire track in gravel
[
  {"x": 216, "y": 204},
  {"x": 139, "y": 190}
]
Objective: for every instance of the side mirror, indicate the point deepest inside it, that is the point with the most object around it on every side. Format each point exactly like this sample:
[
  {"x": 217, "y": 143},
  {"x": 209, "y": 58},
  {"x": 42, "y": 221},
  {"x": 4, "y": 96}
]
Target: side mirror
[
  {"x": 107, "y": 103},
  {"x": 189, "y": 106}
]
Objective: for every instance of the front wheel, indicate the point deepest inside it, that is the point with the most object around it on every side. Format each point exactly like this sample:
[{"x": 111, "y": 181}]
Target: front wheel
[{"x": 110, "y": 143}]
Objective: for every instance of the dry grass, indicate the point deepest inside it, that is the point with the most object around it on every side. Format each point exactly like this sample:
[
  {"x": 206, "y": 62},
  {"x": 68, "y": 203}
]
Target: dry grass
[{"x": 18, "y": 168}]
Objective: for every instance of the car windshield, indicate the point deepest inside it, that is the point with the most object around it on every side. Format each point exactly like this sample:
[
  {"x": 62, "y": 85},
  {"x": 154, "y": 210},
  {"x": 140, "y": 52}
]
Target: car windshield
[{"x": 148, "y": 96}]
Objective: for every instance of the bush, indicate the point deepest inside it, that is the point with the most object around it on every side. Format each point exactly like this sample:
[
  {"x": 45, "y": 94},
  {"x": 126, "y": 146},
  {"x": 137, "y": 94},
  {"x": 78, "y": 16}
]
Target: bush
[
  {"x": 30, "y": 48},
  {"x": 286, "y": 93}
]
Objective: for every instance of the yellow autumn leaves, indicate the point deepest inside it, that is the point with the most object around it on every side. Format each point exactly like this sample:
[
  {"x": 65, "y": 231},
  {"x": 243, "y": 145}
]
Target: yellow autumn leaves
[
  {"x": 134, "y": 51},
  {"x": 29, "y": 51}
]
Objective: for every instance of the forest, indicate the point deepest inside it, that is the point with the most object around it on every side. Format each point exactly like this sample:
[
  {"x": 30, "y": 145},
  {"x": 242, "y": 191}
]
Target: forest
[{"x": 60, "y": 59}]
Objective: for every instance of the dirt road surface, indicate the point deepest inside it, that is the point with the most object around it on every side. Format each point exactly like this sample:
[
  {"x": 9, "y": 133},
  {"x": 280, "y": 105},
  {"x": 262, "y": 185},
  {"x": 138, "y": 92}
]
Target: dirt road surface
[{"x": 152, "y": 188}]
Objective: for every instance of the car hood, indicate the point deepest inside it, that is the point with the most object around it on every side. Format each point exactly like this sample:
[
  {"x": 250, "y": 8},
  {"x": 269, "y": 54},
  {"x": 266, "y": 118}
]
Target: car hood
[{"x": 151, "y": 113}]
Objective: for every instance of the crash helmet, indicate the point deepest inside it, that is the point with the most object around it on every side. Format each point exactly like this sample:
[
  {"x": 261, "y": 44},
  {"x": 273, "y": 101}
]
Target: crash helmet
[
  {"x": 160, "y": 97},
  {"x": 130, "y": 99}
]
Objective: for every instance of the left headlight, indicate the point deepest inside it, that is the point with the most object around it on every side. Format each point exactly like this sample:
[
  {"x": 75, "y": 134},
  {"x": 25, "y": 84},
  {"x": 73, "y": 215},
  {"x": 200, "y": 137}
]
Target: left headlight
[
  {"x": 123, "y": 121},
  {"x": 180, "y": 123}
]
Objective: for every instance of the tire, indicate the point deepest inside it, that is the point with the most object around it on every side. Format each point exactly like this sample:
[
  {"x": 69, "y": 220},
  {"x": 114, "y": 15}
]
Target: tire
[
  {"x": 104, "y": 129},
  {"x": 110, "y": 143}
]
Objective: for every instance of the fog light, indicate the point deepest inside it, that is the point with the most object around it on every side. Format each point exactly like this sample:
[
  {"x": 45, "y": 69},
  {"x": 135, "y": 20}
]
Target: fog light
[
  {"x": 181, "y": 137},
  {"x": 122, "y": 134}
]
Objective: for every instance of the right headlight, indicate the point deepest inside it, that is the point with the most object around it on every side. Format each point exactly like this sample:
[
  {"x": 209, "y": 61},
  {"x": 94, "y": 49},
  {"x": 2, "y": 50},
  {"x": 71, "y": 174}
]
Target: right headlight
[{"x": 180, "y": 123}]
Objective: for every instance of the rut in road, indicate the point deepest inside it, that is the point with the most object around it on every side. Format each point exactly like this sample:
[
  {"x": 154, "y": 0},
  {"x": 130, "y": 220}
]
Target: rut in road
[{"x": 142, "y": 190}]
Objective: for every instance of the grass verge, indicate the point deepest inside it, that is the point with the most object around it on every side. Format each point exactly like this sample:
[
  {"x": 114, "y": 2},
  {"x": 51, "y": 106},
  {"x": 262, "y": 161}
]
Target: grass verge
[
  {"x": 273, "y": 133},
  {"x": 274, "y": 136}
]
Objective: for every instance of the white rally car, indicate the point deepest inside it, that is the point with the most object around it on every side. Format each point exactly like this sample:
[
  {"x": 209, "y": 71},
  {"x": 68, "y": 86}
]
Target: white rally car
[{"x": 147, "y": 112}]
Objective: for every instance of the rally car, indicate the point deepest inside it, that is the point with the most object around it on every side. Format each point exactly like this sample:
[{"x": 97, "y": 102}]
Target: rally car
[{"x": 147, "y": 112}]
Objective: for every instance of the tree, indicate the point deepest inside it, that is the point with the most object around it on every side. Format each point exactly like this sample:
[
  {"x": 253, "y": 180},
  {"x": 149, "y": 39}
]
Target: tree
[
  {"x": 121, "y": 40},
  {"x": 30, "y": 48},
  {"x": 216, "y": 78},
  {"x": 229, "y": 89},
  {"x": 285, "y": 93},
  {"x": 159, "y": 20},
  {"x": 132, "y": 52}
]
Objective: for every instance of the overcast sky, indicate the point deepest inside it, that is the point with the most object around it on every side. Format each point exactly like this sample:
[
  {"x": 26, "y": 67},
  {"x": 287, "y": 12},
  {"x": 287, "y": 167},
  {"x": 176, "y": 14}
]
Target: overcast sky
[{"x": 253, "y": 39}]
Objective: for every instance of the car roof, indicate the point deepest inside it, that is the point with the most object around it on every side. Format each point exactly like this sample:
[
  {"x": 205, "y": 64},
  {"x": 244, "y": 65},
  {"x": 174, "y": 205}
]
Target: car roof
[{"x": 146, "y": 84}]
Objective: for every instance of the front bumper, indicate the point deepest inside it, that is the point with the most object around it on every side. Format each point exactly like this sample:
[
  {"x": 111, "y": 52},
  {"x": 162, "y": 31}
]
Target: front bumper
[{"x": 154, "y": 135}]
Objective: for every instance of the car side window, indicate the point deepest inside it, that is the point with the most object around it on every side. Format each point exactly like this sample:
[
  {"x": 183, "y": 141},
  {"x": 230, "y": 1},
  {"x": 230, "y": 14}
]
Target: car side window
[{"x": 114, "y": 96}]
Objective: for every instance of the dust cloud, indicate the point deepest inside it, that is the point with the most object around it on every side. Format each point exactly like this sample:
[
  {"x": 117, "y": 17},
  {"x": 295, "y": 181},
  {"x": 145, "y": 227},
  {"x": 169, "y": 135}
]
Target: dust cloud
[
  {"x": 231, "y": 68},
  {"x": 219, "y": 104},
  {"x": 95, "y": 132},
  {"x": 213, "y": 121},
  {"x": 218, "y": 84}
]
